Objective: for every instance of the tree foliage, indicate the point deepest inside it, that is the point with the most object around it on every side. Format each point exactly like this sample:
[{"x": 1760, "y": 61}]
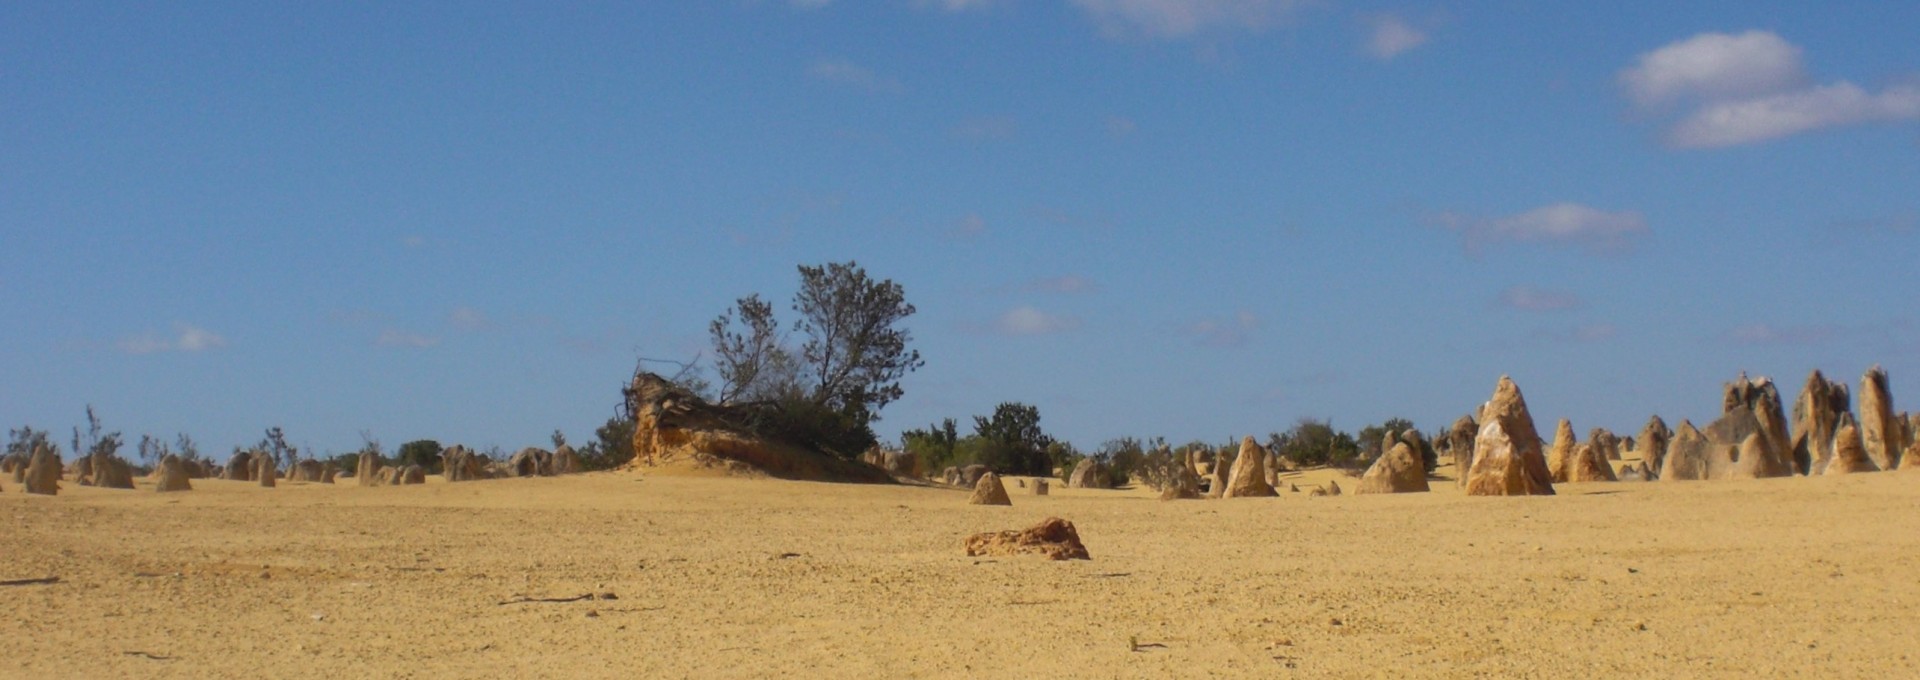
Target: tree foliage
[
  {"x": 422, "y": 452},
  {"x": 612, "y": 446},
  {"x": 1011, "y": 441},
  {"x": 1314, "y": 442}
]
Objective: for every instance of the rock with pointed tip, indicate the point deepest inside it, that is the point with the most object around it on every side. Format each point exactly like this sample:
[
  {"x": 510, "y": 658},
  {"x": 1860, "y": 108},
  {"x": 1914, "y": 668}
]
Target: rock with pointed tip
[
  {"x": 43, "y": 473},
  {"x": 1652, "y": 443},
  {"x": 1507, "y": 460},
  {"x": 1879, "y": 434},
  {"x": 1460, "y": 444},
  {"x": 171, "y": 475},
  {"x": 1589, "y": 464},
  {"x": 1399, "y": 470},
  {"x": 367, "y": 469},
  {"x": 1816, "y": 418},
  {"x": 1849, "y": 450},
  {"x": 1560, "y": 452},
  {"x": 264, "y": 472},
  {"x": 1249, "y": 476},
  {"x": 989, "y": 491}
]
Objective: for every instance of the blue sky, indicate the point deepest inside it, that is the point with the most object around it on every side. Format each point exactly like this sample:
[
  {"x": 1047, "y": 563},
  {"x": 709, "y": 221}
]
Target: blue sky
[{"x": 1187, "y": 218}]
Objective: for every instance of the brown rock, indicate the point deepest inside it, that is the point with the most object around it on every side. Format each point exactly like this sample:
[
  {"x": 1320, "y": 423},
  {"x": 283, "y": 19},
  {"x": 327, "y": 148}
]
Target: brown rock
[
  {"x": 1880, "y": 434},
  {"x": 1751, "y": 460},
  {"x": 1849, "y": 451},
  {"x": 565, "y": 460},
  {"x": 1690, "y": 457},
  {"x": 412, "y": 474},
  {"x": 264, "y": 471},
  {"x": 240, "y": 467},
  {"x": 1605, "y": 443},
  {"x": 111, "y": 472},
  {"x": 1589, "y": 464},
  {"x": 461, "y": 464},
  {"x": 1317, "y": 492},
  {"x": 970, "y": 475},
  {"x": 531, "y": 462},
  {"x": 1399, "y": 470},
  {"x": 1652, "y": 444},
  {"x": 308, "y": 470},
  {"x": 1054, "y": 538},
  {"x": 1088, "y": 474},
  {"x": 1506, "y": 454},
  {"x": 1816, "y": 417},
  {"x": 367, "y": 471},
  {"x": 989, "y": 491},
  {"x": 1333, "y": 488},
  {"x": 1040, "y": 487},
  {"x": 43, "y": 473},
  {"x": 171, "y": 475},
  {"x": 1460, "y": 439},
  {"x": 1184, "y": 485},
  {"x": 1560, "y": 453},
  {"x": 1753, "y": 406},
  {"x": 1249, "y": 477}
]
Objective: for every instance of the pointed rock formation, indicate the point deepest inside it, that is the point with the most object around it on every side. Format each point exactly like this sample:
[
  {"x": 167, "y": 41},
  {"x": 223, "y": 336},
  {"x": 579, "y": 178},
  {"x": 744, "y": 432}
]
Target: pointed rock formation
[
  {"x": 1652, "y": 444},
  {"x": 412, "y": 474},
  {"x": 110, "y": 472},
  {"x": 1879, "y": 433},
  {"x": 1560, "y": 452},
  {"x": 1605, "y": 443},
  {"x": 308, "y": 470},
  {"x": 1849, "y": 450},
  {"x": 1460, "y": 443},
  {"x": 1333, "y": 488},
  {"x": 1399, "y": 470},
  {"x": 989, "y": 491},
  {"x": 171, "y": 475},
  {"x": 1053, "y": 538},
  {"x": 1507, "y": 460},
  {"x": 1753, "y": 406},
  {"x": 367, "y": 472},
  {"x": 264, "y": 471},
  {"x": 1040, "y": 486},
  {"x": 1691, "y": 457},
  {"x": 1589, "y": 464},
  {"x": 1636, "y": 472},
  {"x": 1816, "y": 417},
  {"x": 460, "y": 464},
  {"x": 1183, "y": 485},
  {"x": 239, "y": 468},
  {"x": 43, "y": 473},
  {"x": 1217, "y": 477},
  {"x": 565, "y": 461},
  {"x": 531, "y": 462},
  {"x": 1249, "y": 477}
]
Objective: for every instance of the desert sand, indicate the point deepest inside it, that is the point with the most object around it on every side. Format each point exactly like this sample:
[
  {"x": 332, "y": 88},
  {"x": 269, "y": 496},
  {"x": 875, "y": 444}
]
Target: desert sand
[{"x": 731, "y": 577}]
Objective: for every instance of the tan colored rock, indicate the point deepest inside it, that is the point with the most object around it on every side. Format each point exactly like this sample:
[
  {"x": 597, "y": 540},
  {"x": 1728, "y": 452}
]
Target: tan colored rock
[
  {"x": 367, "y": 471},
  {"x": 1652, "y": 445},
  {"x": 1333, "y": 488},
  {"x": 1589, "y": 464},
  {"x": 1460, "y": 440},
  {"x": 1605, "y": 443},
  {"x": 1507, "y": 460},
  {"x": 1753, "y": 406},
  {"x": 308, "y": 470},
  {"x": 111, "y": 472},
  {"x": 1088, "y": 474},
  {"x": 675, "y": 427},
  {"x": 264, "y": 471},
  {"x": 565, "y": 460},
  {"x": 1751, "y": 460},
  {"x": 1816, "y": 418},
  {"x": 43, "y": 473},
  {"x": 970, "y": 475},
  {"x": 461, "y": 464},
  {"x": 1183, "y": 485},
  {"x": 1560, "y": 453},
  {"x": 1880, "y": 434},
  {"x": 1318, "y": 492},
  {"x": 1053, "y": 538},
  {"x": 171, "y": 475},
  {"x": 412, "y": 474},
  {"x": 1849, "y": 451},
  {"x": 1636, "y": 471},
  {"x": 1399, "y": 470},
  {"x": 240, "y": 467},
  {"x": 1249, "y": 476},
  {"x": 1040, "y": 487},
  {"x": 989, "y": 491},
  {"x": 1217, "y": 476},
  {"x": 1690, "y": 457}
]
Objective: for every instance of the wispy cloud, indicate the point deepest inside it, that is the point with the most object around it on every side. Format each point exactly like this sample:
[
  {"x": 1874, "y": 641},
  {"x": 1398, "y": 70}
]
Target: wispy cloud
[
  {"x": 986, "y": 129},
  {"x": 1025, "y": 320},
  {"x": 469, "y": 319},
  {"x": 1561, "y": 224},
  {"x": 1531, "y": 299},
  {"x": 1389, "y": 36},
  {"x": 185, "y": 338},
  {"x": 392, "y": 337},
  {"x": 1766, "y": 334},
  {"x": 1750, "y": 88},
  {"x": 847, "y": 73},
  {"x": 1173, "y": 19},
  {"x": 1224, "y": 332}
]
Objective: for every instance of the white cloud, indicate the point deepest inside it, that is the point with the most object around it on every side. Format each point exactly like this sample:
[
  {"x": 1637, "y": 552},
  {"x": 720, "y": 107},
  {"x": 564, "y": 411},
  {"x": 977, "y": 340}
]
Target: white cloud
[
  {"x": 1232, "y": 332},
  {"x": 185, "y": 338},
  {"x": 984, "y": 129},
  {"x": 397, "y": 338},
  {"x": 1749, "y": 121},
  {"x": 1531, "y": 299},
  {"x": 843, "y": 72},
  {"x": 1752, "y": 88},
  {"x": 1715, "y": 66},
  {"x": 1390, "y": 36},
  {"x": 469, "y": 319},
  {"x": 1560, "y": 224},
  {"x": 1184, "y": 18},
  {"x": 1029, "y": 321},
  {"x": 1060, "y": 284}
]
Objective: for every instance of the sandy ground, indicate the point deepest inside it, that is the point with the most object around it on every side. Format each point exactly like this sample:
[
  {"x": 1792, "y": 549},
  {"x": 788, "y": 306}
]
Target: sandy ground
[{"x": 758, "y": 578}]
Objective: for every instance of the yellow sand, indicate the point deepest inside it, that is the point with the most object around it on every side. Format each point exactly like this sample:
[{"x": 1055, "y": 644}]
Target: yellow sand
[{"x": 720, "y": 577}]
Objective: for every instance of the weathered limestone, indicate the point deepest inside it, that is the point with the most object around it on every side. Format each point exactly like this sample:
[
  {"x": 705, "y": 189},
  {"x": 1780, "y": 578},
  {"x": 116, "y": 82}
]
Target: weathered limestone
[
  {"x": 1849, "y": 450},
  {"x": 1589, "y": 464},
  {"x": 111, "y": 472},
  {"x": 1816, "y": 418},
  {"x": 43, "y": 473},
  {"x": 367, "y": 472},
  {"x": 1053, "y": 538},
  {"x": 1460, "y": 443},
  {"x": 989, "y": 491},
  {"x": 240, "y": 467},
  {"x": 1880, "y": 434},
  {"x": 1217, "y": 477},
  {"x": 412, "y": 474},
  {"x": 1652, "y": 444},
  {"x": 1399, "y": 470},
  {"x": 531, "y": 462},
  {"x": 1605, "y": 443},
  {"x": 171, "y": 475},
  {"x": 264, "y": 471},
  {"x": 1754, "y": 406},
  {"x": 460, "y": 464},
  {"x": 1692, "y": 458},
  {"x": 1333, "y": 488},
  {"x": 565, "y": 460},
  {"x": 1506, "y": 454},
  {"x": 1183, "y": 485},
  {"x": 1040, "y": 486},
  {"x": 1089, "y": 474},
  {"x": 971, "y": 474},
  {"x": 309, "y": 470},
  {"x": 1249, "y": 477},
  {"x": 1560, "y": 453}
]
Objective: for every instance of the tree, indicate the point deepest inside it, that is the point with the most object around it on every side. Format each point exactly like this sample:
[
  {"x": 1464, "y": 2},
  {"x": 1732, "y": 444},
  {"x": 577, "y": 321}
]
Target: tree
[
  {"x": 1314, "y": 442},
  {"x": 23, "y": 441},
  {"x": 97, "y": 444},
  {"x": 186, "y": 448},
  {"x": 612, "y": 447},
  {"x": 1013, "y": 442},
  {"x": 935, "y": 446},
  {"x": 558, "y": 438},
  {"x": 748, "y": 354},
  {"x": 422, "y": 452},
  {"x": 855, "y": 354},
  {"x": 275, "y": 444},
  {"x": 1373, "y": 436},
  {"x": 152, "y": 449}
]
